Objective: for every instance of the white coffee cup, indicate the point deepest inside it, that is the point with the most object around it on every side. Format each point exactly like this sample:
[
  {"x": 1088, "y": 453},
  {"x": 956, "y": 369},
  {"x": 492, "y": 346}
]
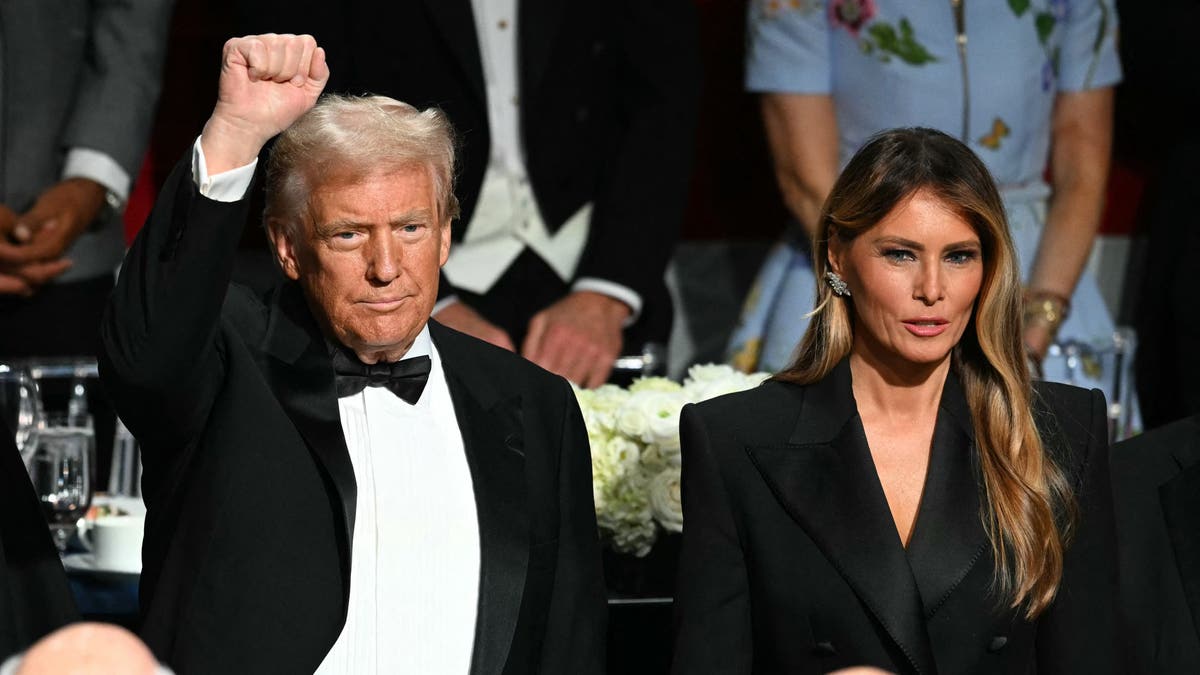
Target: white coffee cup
[{"x": 116, "y": 542}]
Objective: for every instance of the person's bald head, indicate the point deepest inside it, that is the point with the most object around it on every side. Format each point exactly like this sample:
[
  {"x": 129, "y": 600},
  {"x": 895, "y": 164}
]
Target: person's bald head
[{"x": 91, "y": 649}]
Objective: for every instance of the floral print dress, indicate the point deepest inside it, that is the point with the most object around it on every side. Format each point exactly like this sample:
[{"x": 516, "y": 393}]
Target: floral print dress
[{"x": 984, "y": 71}]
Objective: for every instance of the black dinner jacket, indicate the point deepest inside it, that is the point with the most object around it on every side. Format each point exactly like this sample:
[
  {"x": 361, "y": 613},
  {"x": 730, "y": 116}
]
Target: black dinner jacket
[
  {"x": 791, "y": 562},
  {"x": 607, "y": 105},
  {"x": 34, "y": 597},
  {"x": 1156, "y": 491},
  {"x": 251, "y": 492}
]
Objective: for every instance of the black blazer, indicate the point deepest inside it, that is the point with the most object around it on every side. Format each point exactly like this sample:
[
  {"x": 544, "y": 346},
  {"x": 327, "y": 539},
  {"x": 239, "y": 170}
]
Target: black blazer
[
  {"x": 791, "y": 562},
  {"x": 608, "y": 105},
  {"x": 1156, "y": 491},
  {"x": 250, "y": 488},
  {"x": 34, "y": 597}
]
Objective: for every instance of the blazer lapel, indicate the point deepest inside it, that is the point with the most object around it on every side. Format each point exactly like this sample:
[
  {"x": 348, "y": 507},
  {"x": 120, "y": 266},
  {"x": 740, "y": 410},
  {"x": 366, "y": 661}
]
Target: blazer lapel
[
  {"x": 301, "y": 375},
  {"x": 493, "y": 436},
  {"x": 457, "y": 23},
  {"x": 948, "y": 536},
  {"x": 826, "y": 480},
  {"x": 538, "y": 27},
  {"x": 1181, "y": 509}
]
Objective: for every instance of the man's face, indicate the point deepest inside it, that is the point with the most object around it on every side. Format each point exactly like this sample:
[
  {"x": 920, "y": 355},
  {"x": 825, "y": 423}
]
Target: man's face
[{"x": 368, "y": 255}]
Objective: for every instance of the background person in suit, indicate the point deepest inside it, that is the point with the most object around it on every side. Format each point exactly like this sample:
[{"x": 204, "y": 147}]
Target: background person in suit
[
  {"x": 308, "y": 511},
  {"x": 80, "y": 84},
  {"x": 34, "y": 598},
  {"x": 1156, "y": 492},
  {"x": 576, "y": 122},
  {"x": 902, "y": 497}
]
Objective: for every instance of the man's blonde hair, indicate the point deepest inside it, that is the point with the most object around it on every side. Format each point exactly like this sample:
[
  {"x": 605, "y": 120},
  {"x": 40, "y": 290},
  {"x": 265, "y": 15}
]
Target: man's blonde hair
[{"x": 347, "y": 138}]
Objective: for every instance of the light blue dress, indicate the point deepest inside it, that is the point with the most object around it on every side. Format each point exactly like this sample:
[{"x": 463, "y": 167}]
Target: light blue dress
[{"x": 893, "y": 63}]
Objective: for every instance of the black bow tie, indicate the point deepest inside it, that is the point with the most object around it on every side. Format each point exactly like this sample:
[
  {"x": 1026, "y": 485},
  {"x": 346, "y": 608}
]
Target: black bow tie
[{"x": 405, "y": 378}]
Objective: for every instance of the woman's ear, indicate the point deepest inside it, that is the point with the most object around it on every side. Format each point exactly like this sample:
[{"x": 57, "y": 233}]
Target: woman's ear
[{"x": 834, "y": 251}]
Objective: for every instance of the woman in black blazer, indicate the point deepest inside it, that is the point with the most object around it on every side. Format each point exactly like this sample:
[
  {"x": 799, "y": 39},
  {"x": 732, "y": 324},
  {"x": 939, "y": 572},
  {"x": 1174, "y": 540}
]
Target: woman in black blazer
[{"x": 902, "y": 496}]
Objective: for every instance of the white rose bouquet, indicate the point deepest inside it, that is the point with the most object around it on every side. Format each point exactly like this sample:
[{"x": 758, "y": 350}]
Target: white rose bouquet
[{"x": 634, "y": 436}]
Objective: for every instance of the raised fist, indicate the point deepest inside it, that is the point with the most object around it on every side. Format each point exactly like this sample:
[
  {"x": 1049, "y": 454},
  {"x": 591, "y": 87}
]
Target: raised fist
[{"x": 267, "y": 82}]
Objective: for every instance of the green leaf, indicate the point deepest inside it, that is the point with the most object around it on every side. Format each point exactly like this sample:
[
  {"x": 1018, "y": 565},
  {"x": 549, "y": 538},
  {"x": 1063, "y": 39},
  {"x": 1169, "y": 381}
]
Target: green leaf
[
  {"x": 1019, "y": 7},
  {"x": 913, "y": 53},
  {"x": 1045, "y": 26},
  {"x": 884, "y": 34},
  {"x": 906, "y": 30}
]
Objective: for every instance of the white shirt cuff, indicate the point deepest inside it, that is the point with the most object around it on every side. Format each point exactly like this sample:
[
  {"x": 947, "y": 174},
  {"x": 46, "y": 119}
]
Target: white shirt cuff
[
  {"x": 97, "y": 166},
  {"x": 227, "y": 186},
  {"x": 615, "y": 291}
]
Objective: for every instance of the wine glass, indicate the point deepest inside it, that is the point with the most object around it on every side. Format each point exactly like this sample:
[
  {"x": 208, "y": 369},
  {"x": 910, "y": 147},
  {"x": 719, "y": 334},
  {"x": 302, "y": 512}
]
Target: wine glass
[
  {"x": 20, "y": 407},
  {"x": 61, "y": 471}
]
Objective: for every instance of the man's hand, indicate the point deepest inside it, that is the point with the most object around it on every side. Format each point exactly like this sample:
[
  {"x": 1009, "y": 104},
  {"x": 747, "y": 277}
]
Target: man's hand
[
  {"x": 59, "y": 215},
  {"x": 267, "y": 82},
  {"x": 578, "y": 337},
  {"x": 462, "y": 318}
]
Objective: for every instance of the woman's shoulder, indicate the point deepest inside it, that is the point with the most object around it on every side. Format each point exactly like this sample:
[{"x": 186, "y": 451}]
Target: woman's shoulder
[
  {"x": 1071, "y": 421},
  {"x": 751, "y": 416}
]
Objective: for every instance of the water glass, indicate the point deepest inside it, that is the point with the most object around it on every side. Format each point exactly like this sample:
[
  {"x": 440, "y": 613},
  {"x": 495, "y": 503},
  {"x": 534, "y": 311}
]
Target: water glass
[
  {"x": 20, "y": 407},
  {"x": 61, "y": 471}
]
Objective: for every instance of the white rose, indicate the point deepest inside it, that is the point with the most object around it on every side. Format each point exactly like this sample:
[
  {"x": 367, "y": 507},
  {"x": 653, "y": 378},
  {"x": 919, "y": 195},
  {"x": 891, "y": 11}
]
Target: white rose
[
  {"x": 632, "y": 419},
  {"x": 707, "y": 372},
  {"x": 644, "y": 384},
  {"x": 665, "y": 500}
]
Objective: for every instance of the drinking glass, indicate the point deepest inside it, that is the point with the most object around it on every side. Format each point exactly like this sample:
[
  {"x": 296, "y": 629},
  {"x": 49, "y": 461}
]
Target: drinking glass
[
  {"x": 61, "y": 471},
  {"x": 20, "y": 407}
]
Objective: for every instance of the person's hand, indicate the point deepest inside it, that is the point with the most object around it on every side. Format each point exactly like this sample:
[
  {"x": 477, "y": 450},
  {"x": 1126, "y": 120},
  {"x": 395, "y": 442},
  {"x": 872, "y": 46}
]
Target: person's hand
[
  {"x": 32, "y": 244},
  {"x": 578, "y": 337},
  {"x": 462, "y": 318},
  {"x": 1037, "y": 338},
  {"x": 266, "y": 83}
]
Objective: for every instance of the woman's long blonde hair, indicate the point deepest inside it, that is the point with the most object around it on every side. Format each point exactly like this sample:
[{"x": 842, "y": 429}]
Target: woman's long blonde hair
[{"x": 1030, "y": 507}]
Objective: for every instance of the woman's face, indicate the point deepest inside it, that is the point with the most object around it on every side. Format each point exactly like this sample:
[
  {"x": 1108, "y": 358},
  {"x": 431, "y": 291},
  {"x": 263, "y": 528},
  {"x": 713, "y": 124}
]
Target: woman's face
[{"x": 913, "y": 281}]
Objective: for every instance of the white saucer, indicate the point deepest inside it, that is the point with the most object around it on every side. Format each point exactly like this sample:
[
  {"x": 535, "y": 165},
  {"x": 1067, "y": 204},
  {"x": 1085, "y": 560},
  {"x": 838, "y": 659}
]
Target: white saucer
[{"x": 85, "y": 563}]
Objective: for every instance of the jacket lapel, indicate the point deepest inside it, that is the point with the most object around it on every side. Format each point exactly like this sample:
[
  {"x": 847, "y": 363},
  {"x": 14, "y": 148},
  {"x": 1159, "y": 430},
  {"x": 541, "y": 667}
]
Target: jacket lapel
[
  {"x": 493, "y": 436},
  {"x": 300, "y": 373},
  {"x": 538, "y": 26},
  {"x": 948, "y": 536},
  {"x": 1181, "y": 509},
  {"x": 825, "y": 478},
  {"x": 457, "y": 23}
]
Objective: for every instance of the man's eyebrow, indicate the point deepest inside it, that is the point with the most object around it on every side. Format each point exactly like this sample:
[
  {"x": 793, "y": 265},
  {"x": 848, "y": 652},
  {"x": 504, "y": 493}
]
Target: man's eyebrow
[{"x": 419, "y": 214}]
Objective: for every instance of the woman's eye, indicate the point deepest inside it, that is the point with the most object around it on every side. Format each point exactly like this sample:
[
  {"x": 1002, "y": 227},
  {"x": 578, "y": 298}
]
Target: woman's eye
[
  {"x": 961, "y": 257},
  {"x": 899, "y": 255}
]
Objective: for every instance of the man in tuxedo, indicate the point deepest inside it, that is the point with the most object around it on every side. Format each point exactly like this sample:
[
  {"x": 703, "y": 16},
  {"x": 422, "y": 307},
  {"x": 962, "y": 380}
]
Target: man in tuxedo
[
  {"x": 577, "y": 123},
  {"x": 334, "y": 482},
  {"x": 1156, "y": 495},
  {"x": 34, "y": 598}
]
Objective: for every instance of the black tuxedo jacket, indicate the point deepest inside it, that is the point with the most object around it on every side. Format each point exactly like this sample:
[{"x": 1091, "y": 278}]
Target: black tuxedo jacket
[
  {"x": 249, "y": 485},
  {"x": 791, "y": 562},
  {"x": 34, "y": 597},
  {"x": 607, "y": 110},
  {"x": 1156, "y": 490}
]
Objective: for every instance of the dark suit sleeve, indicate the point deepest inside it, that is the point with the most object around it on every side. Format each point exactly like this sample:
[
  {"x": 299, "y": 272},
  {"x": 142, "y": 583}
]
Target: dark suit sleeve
[
  {"x": 160, "y": 359},
  {"x": 575, "y": 629},
  {"x": 642, "y": 196},
  {"x": 712, "y": 594},
  {"x": 1078, "y": 633}
]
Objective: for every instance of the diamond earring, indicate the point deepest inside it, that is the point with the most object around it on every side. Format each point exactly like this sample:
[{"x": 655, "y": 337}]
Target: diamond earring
[{"x": 837, "y": 284}]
